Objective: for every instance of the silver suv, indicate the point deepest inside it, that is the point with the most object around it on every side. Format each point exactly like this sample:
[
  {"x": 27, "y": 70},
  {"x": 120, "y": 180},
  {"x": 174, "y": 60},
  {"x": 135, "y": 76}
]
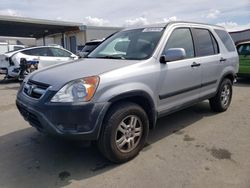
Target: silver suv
[{"x": 134, "y": 77}]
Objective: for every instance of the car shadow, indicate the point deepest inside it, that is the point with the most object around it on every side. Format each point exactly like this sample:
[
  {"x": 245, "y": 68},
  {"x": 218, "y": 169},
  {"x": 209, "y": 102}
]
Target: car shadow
[
  {"x": 8, "y": 81},
  {"x": 31, "y": 159},
  {"x": 10, "y": 84},
  {"x": 10, "y": 87},
  {"x": 174, "y": 123}
]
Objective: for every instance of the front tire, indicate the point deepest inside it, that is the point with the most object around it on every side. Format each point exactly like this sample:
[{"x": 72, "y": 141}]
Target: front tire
[
  {"x": 221, "y": 101},
  {"x": 124, "y": 133}
]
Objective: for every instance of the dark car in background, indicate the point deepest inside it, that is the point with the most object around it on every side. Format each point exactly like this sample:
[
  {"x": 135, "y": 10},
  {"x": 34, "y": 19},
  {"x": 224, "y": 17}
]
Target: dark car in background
[{"x": 88, "y": 47}]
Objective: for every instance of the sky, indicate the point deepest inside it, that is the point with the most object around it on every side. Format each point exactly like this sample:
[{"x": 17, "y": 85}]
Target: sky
[{"x": 232, "y": 14}]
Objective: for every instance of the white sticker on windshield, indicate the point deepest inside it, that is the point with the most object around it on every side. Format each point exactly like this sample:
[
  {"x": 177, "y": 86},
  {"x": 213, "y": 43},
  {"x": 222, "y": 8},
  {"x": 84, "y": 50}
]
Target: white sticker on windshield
[{"x": 153, "y": 29}]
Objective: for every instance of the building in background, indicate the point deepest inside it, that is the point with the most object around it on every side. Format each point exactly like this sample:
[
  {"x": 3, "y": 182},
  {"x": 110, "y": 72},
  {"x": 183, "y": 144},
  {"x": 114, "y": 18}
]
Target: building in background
[
  {"x": 15, "y": 43},
  {"x": 70, "y": 35},
  {"x": 240, "y": 36},
  {"x": 19, "y": 41},
  {"x": 76, "y": 38}
]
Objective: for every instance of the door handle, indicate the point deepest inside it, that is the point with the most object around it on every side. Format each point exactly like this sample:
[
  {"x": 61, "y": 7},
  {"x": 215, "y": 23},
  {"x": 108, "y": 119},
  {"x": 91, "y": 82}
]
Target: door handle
[
  {"x": 194, "y": 64},
  {"x": 223, "y": 59}
]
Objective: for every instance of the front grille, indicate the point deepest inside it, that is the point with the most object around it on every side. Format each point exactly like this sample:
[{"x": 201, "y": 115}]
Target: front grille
[
  {"x": 30, "y": 117},
  {"x": 35, "y": 89}
]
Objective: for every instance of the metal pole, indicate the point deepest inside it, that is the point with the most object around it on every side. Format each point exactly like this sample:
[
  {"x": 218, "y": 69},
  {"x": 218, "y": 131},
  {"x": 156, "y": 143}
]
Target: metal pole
[
  {"x": 44, "y": 40},
  {"x": 63, "y": 42}
]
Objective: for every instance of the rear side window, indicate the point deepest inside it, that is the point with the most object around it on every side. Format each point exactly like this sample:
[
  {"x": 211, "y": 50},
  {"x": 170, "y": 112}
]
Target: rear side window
[
  {"x": 17, "y": 48},
  {"x": 30, "y": 52},
  {"x": 225, "y": 38},
  {"x": 205, "y": 43},
  {"x": 38, "y": 52},
  {"x": 181, "y": 38}
]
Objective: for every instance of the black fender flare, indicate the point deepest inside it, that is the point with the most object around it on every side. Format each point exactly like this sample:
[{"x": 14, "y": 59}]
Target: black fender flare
[{"x": 152, "y": 113}]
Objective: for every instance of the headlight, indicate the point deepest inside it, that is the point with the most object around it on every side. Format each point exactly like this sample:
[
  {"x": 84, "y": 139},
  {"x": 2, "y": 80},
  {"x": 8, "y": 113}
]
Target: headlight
[{"x": 81, "y": 90}]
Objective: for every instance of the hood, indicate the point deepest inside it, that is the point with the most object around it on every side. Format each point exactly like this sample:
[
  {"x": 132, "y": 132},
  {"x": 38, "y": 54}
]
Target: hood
[{"x": 59, "y": 75}]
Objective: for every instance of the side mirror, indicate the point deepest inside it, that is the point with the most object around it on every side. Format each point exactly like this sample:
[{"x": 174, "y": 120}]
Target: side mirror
[
  {"x": 72, "y": 56},
  {"x": 173, "y": 54}
]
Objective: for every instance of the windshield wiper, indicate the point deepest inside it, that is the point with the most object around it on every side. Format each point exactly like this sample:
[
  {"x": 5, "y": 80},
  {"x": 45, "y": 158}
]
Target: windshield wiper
[{"x": 110, "y": 57}]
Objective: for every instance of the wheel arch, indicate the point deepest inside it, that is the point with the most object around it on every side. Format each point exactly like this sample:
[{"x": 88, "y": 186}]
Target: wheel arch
[
  {"x": 138, "y": 97},
  {"x": 230, "y": 75}
]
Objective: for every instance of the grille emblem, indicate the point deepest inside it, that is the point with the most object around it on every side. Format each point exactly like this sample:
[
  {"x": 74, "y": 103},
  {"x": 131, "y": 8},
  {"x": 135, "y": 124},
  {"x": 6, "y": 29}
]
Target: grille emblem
[{"x": 30, "y": 89}]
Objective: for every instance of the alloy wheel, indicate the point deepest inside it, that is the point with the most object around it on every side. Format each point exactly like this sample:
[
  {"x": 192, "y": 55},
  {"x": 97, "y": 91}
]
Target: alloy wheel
[
  {"x": 128, "y": 133},
  {"x": 225, "y": 95}
]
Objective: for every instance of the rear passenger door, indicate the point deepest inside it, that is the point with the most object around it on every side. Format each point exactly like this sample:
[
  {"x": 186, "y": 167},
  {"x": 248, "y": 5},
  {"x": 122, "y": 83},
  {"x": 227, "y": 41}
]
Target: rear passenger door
[
  {"x": 181, "y": 79},
  {"x": 207, "y": 53}
]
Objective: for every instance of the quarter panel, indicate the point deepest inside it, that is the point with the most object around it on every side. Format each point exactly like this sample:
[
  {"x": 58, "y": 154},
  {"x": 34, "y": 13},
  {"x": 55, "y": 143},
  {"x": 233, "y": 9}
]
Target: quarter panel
[{"x": 142, "y": 76}]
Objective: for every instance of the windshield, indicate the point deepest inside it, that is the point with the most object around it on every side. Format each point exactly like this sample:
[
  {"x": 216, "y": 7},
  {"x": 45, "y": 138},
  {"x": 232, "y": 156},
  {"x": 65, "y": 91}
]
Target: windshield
[{"x": 136, "y": 44}]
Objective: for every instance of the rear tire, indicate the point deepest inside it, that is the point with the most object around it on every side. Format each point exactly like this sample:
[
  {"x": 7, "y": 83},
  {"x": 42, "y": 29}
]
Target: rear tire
[
  {"x": 221, "y": 101},
  {"x": 124, "y": 133}
]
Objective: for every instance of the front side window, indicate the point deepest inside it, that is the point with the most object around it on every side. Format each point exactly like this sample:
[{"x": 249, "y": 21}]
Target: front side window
[
  {"x": 57, "y": 52},
  {"x": 136, "y": 44},
  {"x": 204, "y": 43},
  {"x": 181, "y": 38}
]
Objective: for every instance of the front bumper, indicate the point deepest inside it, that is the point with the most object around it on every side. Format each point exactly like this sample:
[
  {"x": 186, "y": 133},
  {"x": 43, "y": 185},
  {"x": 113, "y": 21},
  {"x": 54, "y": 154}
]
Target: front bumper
[{"x": 79, "y": 121}]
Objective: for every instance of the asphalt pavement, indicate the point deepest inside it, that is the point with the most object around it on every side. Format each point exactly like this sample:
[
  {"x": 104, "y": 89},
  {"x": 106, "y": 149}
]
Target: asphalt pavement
[{"x": 192, "y": 148}]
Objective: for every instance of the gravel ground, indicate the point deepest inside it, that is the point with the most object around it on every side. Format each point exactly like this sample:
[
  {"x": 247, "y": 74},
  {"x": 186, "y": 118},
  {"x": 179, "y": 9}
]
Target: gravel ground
[{"x": 192, "y": 148}]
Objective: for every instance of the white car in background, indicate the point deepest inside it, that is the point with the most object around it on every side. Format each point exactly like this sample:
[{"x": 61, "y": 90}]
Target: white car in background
[{"x": 44, "y": 55}]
